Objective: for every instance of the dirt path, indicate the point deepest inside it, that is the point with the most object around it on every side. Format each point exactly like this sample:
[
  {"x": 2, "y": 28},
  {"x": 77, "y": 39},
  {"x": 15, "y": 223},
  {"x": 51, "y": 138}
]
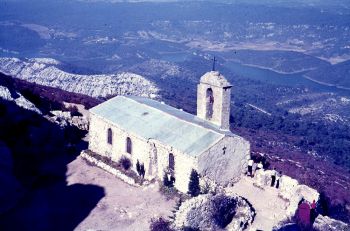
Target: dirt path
[
  {"x": 124, "y": 207},
  {"x": 269, "y": 207}
]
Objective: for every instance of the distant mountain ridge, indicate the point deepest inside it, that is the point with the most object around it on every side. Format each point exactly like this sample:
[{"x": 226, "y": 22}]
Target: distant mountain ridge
[{"x": 47, "y": 72}]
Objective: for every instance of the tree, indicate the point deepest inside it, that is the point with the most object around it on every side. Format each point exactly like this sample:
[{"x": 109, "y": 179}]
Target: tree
[
  {"x": 224, "y": 208},
  {"x": 160, "y": 224},
  {"x": 138, "y": 167},
  {"x": 142, "y": 170},
  {"x": 125, "y": 163},
  {"x": 193, "y": 185}
]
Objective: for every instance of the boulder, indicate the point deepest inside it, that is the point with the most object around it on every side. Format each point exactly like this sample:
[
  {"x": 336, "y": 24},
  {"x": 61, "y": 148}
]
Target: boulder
[
  {"x": 64, "y": 118},
  {"x": 324, "y": 223},
  {"x": 292, "y": 191},
  {"x": 262, "y": 178},
  {"x": 198, "y": 213}
]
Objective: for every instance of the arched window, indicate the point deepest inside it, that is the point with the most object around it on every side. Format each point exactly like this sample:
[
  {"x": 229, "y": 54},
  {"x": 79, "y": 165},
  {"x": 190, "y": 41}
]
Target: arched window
[
  {"x": 109, "y": 136},
  {"x": 171, "y": 161},
  {"x": 209, "y": 103},
  {"x": 128, "y": 145}
]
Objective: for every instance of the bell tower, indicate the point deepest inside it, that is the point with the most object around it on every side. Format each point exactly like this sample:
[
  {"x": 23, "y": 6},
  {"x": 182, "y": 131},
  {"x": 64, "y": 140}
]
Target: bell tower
[{"x": 214, "y": 99}]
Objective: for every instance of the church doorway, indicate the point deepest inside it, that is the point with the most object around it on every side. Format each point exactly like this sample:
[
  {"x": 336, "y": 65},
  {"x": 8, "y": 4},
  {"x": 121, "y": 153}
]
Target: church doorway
[
  {"x": 209, "y": 103},
  {"x": 171, "y": 162}
]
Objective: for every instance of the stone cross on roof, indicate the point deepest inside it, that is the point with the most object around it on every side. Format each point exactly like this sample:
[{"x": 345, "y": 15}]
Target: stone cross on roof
[{"x": 214, "y": 61}]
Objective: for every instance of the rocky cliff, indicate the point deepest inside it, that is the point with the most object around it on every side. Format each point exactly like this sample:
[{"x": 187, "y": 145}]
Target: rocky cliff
[{"x": 47, "y": 72}]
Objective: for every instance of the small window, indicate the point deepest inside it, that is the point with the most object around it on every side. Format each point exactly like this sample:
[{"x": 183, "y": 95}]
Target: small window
[
  {"x": 128, "y": 145},
  {"x": 171, "y": 162},
  {"x": 209, "y": 103},
  {"x": 109, "y": 136}
]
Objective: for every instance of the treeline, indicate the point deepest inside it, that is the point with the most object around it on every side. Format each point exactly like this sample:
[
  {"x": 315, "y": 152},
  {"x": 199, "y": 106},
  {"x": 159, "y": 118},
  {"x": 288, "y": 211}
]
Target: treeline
[{"x": 332, "y": 140}]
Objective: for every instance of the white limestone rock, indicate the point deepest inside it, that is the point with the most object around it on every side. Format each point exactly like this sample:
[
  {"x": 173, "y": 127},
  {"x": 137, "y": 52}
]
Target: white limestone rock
[
  {"x": 20, "y": 100},
  {"x": 197, "y": 212},
  {"x": 324, "y": 223},
  {"x": 46, "y": 72},
  {"x": 64, "y": 118},
  {"x": 289, "y": 189},
  {"x": 262, "y": 178}
]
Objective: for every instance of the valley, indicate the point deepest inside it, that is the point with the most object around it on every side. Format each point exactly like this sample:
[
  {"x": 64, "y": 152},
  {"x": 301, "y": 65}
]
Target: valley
[{"x": 288, "y": 64}]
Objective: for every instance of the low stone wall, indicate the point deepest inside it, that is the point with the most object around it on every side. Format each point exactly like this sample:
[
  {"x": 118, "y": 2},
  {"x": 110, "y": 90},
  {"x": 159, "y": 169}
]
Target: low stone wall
[
  {"x": 109, "y": 169},
  {"x": 289, "y": 189}
]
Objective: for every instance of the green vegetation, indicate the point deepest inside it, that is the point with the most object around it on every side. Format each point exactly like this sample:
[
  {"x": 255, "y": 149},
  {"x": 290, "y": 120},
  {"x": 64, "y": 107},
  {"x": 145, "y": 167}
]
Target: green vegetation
[{"x": 193, "y": 185}]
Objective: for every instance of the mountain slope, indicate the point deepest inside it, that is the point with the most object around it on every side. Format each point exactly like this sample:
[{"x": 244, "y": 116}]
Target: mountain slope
[
  {"x": 338, "y": 74},
  {"x": 46, "y": 72}
]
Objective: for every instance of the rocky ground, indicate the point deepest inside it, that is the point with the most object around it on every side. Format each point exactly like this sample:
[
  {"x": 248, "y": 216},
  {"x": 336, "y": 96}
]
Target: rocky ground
[
  {"x": 124, "y": 207},
  {"x": 270, "y": 209}
]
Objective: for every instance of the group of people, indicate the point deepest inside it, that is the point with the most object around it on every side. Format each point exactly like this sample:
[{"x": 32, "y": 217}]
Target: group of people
[
  {"x": 253, "y": 167},
  {"x": 275, "y": 176},
  {"x": 306, "y": 212}
]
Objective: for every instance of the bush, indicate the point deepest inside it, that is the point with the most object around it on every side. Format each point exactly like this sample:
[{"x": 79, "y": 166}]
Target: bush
[
  {"x": 125, "y": 162},
  {"x": 193, "y": 185},
  {"x": 224, "y": 208},
  {"x": 160, "y": 224},
  {"x": 73, "y": 110},
  {"x": 190, "y": 229}
]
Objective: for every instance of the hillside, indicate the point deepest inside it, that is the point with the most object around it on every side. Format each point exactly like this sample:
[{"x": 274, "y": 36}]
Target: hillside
[
  {"x": 338, "y": 75},
  {"x": 285, "y": 62},
  {"x": 46, "y": 72},
  {"x": 281, "y": 149}
]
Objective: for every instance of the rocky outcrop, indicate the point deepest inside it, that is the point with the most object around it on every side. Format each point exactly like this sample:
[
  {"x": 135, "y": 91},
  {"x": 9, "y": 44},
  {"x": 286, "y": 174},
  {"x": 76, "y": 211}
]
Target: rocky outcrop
[
  {"x": 324, "y": 223},
  {"x": 64, "y": 118},
  {"x": 198, "y": 213},
  {"x": 46, "y": 72},
  {"x": 19, "y": 99},
  {"x": 289, "y": 189}
]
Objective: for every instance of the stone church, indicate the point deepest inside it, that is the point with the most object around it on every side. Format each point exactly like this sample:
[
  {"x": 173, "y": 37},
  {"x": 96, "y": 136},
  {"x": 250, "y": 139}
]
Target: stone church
[{"x": 167, "y": 140}]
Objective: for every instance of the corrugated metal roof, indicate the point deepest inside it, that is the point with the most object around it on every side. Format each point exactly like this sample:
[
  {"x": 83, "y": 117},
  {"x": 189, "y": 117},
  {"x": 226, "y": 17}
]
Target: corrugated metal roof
[{"x": 151, "y": 119}]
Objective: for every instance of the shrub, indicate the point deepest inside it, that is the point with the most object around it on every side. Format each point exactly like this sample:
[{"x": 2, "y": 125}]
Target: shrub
[
  {"x": 73, "y": 110},
  {"x": 160, "y": 224},
  {"x": 193, "y": 185},
  {"x": 190, "y": 229},
  {"x": 224, "y": 208},
  {"x": 125, "y": 162},
  {"x": 138, "y": 167}
]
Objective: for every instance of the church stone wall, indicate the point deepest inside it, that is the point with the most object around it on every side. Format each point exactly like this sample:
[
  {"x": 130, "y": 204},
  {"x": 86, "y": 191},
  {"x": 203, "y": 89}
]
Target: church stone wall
[
  {"x": 153, "y": 154},
  {"x": 98, "y": 143},
  {"x": 183, "y": 166},
  {"x": 227, "y": 166}
]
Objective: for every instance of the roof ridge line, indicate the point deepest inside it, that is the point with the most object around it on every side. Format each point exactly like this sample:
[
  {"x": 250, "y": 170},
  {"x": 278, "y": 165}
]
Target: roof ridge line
[{"x": 198, "y": 125}]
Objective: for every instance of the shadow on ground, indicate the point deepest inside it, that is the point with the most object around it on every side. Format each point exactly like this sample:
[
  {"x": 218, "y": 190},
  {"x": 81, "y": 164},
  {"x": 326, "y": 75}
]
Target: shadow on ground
[{"x": 34, "y": 154}]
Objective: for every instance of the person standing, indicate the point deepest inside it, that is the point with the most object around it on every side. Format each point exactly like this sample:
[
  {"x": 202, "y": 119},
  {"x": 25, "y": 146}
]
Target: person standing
[
  {"x": 250, "y": 167},
  {"x": 278, "y": 178},
  {"x": 313, "y": 211},
  {"x": 259, "y": 166},
  {"x": 273, "y": 177}
]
